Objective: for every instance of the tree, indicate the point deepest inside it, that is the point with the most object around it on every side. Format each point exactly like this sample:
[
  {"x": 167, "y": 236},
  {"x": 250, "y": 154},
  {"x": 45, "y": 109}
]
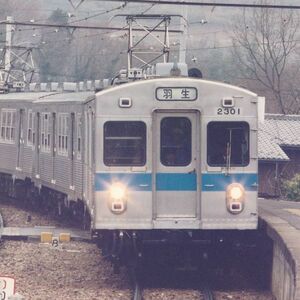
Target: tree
[
  {"x": 265, "y": 46},
  {"x": 54, "y": 57},
  {"x": 96, "y": 55},
  {"x": 78, "y": 55}
]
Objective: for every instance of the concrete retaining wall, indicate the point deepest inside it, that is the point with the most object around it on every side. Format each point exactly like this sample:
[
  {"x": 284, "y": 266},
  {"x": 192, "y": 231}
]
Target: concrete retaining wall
[{"x": 285, "y": 280}]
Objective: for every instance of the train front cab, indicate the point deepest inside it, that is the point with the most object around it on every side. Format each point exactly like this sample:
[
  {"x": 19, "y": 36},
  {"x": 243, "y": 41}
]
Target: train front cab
[{"x": 175, "y": 169}]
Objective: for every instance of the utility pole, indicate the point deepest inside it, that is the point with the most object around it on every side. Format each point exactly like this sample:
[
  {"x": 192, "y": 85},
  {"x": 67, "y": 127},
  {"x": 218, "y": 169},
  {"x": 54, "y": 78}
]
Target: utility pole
[
  {"x": 19, "y": 68},
  {"x": 4, "y": 71},
  {"x": 8, "y": 40},
  {"x": 139, "y": 56}
]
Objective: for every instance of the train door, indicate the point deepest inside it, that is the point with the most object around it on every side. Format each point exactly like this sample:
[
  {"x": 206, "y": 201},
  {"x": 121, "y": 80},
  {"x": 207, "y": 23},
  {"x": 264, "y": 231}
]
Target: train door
[
  {"x": 53, "y": 149},
  {"x": 20, "y": 140},
  {"x": 176, "y": 137},
  {"x": 72, "y": 148},
  {"x": 88, "y": 157},
  {"x": 38, "y": 146}
]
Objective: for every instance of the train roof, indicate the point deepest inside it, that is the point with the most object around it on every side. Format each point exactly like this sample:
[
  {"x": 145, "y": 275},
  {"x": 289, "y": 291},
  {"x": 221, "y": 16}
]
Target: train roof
[
  {"x": 47, "y": 97},
  {"x": 182, "y": 79}
]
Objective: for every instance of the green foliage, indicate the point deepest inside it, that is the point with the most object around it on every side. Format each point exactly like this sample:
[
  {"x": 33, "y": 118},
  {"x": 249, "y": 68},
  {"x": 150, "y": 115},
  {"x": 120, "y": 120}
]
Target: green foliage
[
  {"x": 55, "y": 57},
  {"x": 292, "y": 188}
]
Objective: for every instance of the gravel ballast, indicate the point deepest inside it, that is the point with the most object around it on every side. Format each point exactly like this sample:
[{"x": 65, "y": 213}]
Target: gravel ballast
[{"x": 76, "y": 270}]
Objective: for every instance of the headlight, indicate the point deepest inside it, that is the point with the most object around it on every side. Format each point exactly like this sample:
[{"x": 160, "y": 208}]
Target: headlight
[
  {"x": 117, "y": 191},
  {"x": 236, "y": 193},
  {"x": 117, "y": 197},
  {"x": 235, "y": 197}
]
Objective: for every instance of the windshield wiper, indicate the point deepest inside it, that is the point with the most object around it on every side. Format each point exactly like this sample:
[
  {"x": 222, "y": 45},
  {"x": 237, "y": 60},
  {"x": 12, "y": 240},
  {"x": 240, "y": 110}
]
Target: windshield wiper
[{"x": 228, "y": 153}]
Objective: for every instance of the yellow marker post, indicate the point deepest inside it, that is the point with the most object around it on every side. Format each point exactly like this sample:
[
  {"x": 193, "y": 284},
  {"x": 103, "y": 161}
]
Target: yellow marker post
[
  {"x": 46, "y": 237},
  {"x": 65, "y": 237}
]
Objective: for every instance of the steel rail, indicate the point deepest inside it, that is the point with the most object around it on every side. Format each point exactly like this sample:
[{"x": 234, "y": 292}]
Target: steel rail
[
  {"x": 1, "y": 226},
  {"x": 138, "y": 291},
  {"x": 208, "y": 294}
]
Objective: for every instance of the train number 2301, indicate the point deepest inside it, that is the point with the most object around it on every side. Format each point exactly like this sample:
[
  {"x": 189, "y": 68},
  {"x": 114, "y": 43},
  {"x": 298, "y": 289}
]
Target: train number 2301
[{"x": 228, "y": 111}]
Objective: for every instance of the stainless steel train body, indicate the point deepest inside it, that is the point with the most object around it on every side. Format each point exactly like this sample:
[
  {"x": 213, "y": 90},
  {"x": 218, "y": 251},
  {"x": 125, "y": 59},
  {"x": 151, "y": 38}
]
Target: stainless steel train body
[
  {"x": 41, "y": 143},
  {"x": 175, "y": 153},
  {"x": 147, "y": 156}
]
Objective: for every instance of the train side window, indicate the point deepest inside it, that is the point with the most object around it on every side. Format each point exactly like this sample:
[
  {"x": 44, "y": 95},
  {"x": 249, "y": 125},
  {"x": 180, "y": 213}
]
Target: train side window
[
  {"x": 63, "y": 134},
  {"x": 79, "y": 136},
  {"x": 45, "y": 132},
  {"x": 8, "y": 126},
  {"x": 175, "y": 141},
  {"x": 54, "y": 138},
  {"x": 228, "y": 144},
  {"x": 30, "y": 128},
  {"x": 124, "y": 143}
]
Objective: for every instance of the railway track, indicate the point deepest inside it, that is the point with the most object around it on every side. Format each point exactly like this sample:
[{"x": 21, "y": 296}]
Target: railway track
[
  {"x": 147, "y": 285},
  {"x": 208, "y": 294},
  {"x": 1, "y": 226},
  {"x": 136, "y": 283},
  {"x": 205, "y": 293},
  {"x": 138, "y": 292}
]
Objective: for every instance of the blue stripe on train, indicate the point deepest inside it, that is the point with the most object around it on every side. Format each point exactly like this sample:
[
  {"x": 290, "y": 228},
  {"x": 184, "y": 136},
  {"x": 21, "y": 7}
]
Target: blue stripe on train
[
  {"x": 134, "y": 181},
  {"x": 176, "y": 181},
  {"x": 219, "y": 182}
]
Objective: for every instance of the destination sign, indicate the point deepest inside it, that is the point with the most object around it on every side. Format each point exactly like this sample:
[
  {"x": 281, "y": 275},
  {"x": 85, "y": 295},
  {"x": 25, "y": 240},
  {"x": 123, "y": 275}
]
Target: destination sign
[{"x": 176, "y": 93}]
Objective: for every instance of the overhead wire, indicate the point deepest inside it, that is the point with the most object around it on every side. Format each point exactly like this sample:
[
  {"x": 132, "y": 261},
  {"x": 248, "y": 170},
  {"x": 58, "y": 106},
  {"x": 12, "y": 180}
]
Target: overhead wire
[
  {"x": 74, "y": 26},
  {"x": 153, "y": 3},
  {"x": 148, "y": 9},
  {"x": 99, "y": 14},
  {"x": 96, "y": 15},
  {"x": 213, "y": 4},
  {"x": 56, "y": 26},
  {"x": 75, "y": 21},
  {"x": 65, "y": 40},
  {"x": 93, "y": 16},
  {"x": 80, "y": 37}
]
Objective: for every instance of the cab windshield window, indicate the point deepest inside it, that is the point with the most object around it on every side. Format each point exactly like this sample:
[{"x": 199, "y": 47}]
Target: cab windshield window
[
  {"x": 124, "y": 143},
  {"x": 175, "y": 141},
  {"x": 228, "y": 144}
]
